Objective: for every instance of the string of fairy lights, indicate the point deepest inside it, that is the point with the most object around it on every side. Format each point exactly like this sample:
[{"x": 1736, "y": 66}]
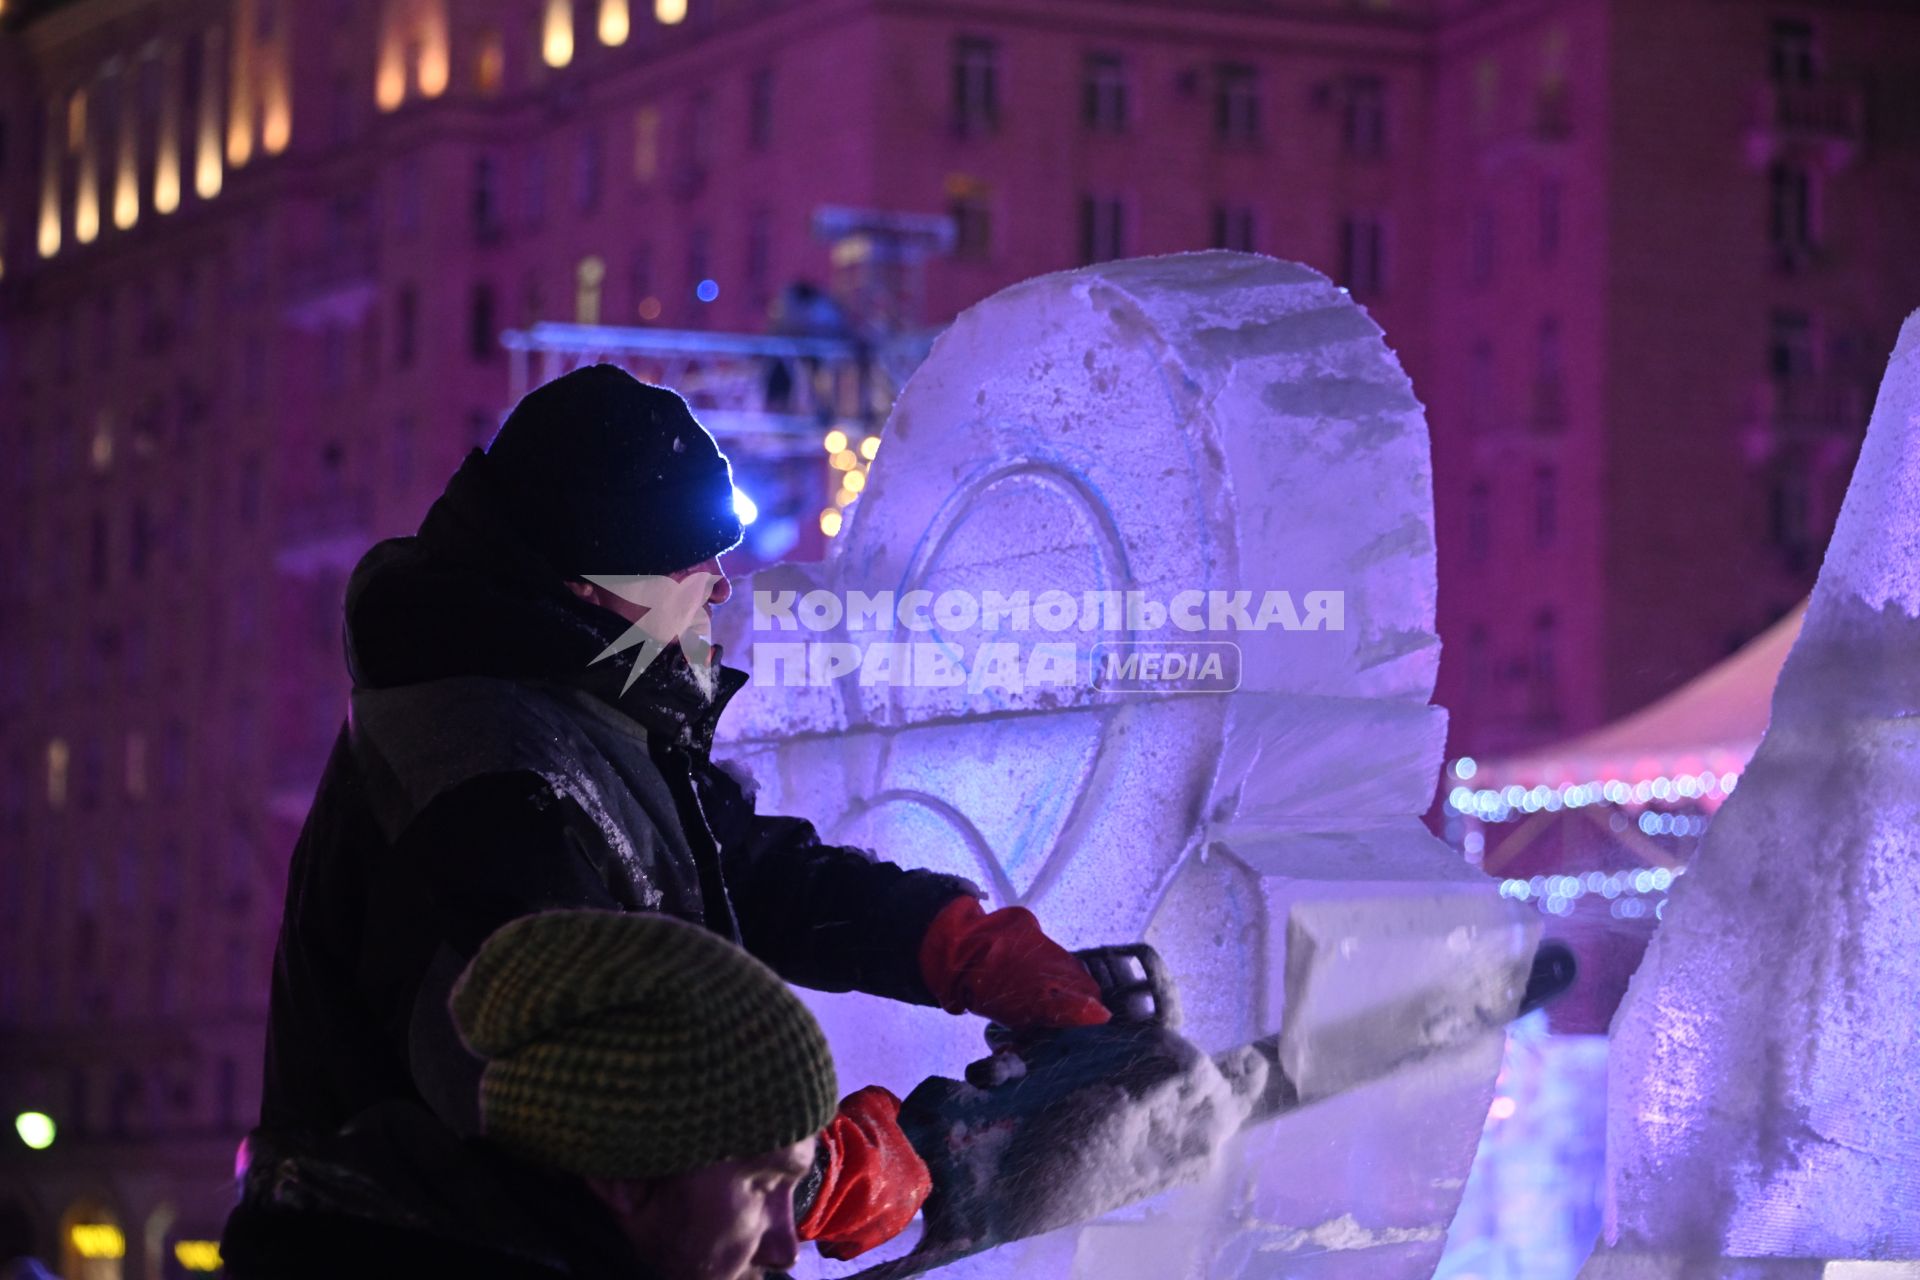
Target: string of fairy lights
[
  {"x": 1629, "y": 895},
  {"x": 1505, "y": 804}
]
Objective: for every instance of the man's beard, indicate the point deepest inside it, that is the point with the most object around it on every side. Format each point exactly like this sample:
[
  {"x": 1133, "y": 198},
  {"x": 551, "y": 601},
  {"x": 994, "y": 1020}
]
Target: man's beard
[{"x": 706, "y": 675}]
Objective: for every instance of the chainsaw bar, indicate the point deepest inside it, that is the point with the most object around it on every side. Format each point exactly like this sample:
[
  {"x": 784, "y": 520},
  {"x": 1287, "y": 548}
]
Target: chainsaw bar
[{"x": 1129, "y": 1054}]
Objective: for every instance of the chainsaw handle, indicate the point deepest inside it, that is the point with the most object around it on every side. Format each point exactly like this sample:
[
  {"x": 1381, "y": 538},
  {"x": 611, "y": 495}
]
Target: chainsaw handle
[{"x": 1134, "y": 986}]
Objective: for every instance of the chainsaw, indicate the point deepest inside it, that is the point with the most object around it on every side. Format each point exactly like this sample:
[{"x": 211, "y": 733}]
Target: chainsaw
[{"x": 1059, "y": 1127}]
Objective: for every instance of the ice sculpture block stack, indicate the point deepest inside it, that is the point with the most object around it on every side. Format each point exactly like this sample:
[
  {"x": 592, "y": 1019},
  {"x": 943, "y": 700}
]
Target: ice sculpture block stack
[
  {"x": 1763, "y": 1106},
  {"x": 1201, "y": 422}
]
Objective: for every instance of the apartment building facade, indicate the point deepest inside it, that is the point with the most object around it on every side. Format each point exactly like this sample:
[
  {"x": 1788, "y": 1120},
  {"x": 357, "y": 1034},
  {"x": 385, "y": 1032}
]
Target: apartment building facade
[{"x": 255, "y": 258}]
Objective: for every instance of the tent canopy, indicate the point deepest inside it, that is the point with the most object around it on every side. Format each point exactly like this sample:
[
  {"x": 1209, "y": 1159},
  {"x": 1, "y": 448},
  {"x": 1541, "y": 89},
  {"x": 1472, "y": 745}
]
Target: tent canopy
[{"x": 1714, "y": 721}]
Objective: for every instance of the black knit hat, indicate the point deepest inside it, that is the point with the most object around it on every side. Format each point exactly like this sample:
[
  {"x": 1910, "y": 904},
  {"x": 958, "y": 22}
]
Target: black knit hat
[{"x": 604, "y": 474}]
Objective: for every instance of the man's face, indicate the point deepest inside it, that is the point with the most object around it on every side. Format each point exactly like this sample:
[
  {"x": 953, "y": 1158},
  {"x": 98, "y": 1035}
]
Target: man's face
[
  {"x": 726, "y": 1221},
  {"x": 717, "y": 593}
]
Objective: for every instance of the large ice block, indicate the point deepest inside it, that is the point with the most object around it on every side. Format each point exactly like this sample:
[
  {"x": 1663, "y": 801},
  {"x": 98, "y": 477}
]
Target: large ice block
[
  {"x": 1764, "y": 1102},
  {"x": 1212, "y": 422}
]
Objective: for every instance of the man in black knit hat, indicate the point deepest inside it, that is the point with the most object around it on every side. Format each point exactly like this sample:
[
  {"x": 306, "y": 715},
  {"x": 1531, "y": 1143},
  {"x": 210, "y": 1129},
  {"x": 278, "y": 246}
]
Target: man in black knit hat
[{"x": 509, "y": 751}]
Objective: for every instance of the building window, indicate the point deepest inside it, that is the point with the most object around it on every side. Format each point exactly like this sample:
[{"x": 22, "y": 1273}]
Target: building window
[
  {"x": 1102, "y": 229},
  {"x": 97, "y": 551},
  {"x": 1479, "y": 522},
  {"x": 556, "y": 34},
  {"x": 1236, "y": 104},
  {"x": 136, "y": 765},
  {"x": 1790, "y": 511},
  {"x": 489, "y": 64},
  {"x": 1364, "y": 118},
  {"x": 646, "y": 145},
  {"x": 91, "y": 777},
  {"x": 1480, "y": 244},
  {"x": 533, "y": 190},
  {"x": 1104, "y": 105},
  {"x": 406, "y": 204},
  {"x": 1549, "y": 376},
  {"x": 1790, "y": 346},
  {"x": 646, "y": 301},
  {"x": 1790, "y": 212},
  {"x": 1790, "y": 54},
  {"x": 406, "y": 319},
  {"x": 696, "y": 143},
  {"x": 482, "y": 323},
  {"x": 1550, "y": 193},
  {"x": 140, "y": 540},
  {"x": 250, "y": 492},
  {"x": 976, "y": 86},
  {"x": 972, "y": 215},
  {"x": 759, "y": 257},
  {"x": 1480, "y": 406},
  {"x": 488, "y": 223},
  {"x": 1546, "y": 506},
  {"x": 1233, "y": 227},
  {"x": 400, "y": 458},
  {"x": 590, "y": 278},
  {"x": 1363, "y": 255},
  {"x": 1544, "y": 670},
  {"x": 699, "y": 261},
  {"x": 589, "y": 163},
  {"x": 760, "y": 110},
  {"x": 1479, "y": 663},
  {"x": 616, "y": 22},
  {"x": 59, "y": 762}
]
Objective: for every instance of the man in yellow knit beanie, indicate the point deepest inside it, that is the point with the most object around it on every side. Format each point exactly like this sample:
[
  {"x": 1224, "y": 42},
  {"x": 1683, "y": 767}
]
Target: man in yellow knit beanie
[{"x": 649, "y": 1104}]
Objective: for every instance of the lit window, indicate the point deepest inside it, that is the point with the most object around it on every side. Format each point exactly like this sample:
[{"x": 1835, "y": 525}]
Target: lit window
[
  {"x": 669, "y": 13},
  {"x": 556, "y": 38},
  {"x": 490, "y": 64},
  {"x": 590, "y": 279},
  {"x": 59, "y": 763},
  {"x": 972, "y": 216},
  {"x": 207, "y": 173},
  {"x": 646, "y": 144},
  {"x": 615, "y": 22}
]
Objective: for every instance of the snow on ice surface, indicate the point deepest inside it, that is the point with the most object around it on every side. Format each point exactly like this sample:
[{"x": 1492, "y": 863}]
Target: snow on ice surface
[
  {"x": 1765, "y": 1099},
  {"x": 1202, "y": 422}
]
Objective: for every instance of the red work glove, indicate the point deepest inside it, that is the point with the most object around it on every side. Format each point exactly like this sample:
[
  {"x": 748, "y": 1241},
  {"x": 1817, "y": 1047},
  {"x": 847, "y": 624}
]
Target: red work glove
[
  {"x": 875, "y": 1182},
  {"x": 1000, "y": 965}
]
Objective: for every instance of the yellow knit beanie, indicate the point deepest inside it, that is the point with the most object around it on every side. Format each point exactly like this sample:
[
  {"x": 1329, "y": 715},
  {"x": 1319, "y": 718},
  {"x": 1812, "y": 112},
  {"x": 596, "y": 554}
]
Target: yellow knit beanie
[{"x": 637, "y": 1046}]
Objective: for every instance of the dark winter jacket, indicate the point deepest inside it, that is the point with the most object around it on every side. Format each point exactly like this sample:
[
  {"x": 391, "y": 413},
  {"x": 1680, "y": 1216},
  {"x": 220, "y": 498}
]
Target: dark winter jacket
[
  {"x": 398, "y": 1194},
  {"x": 487, "y": 770}
]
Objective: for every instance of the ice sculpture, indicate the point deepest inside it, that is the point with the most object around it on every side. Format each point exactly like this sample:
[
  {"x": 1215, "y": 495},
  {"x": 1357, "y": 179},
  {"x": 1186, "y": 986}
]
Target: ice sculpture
[
  {"x": 1764, "y": 1102},
  {"x": 1211, "y": 422}
]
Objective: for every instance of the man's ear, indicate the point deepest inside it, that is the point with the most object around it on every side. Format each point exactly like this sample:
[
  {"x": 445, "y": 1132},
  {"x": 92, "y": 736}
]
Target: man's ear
[{"x": 582, "y": 589}]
